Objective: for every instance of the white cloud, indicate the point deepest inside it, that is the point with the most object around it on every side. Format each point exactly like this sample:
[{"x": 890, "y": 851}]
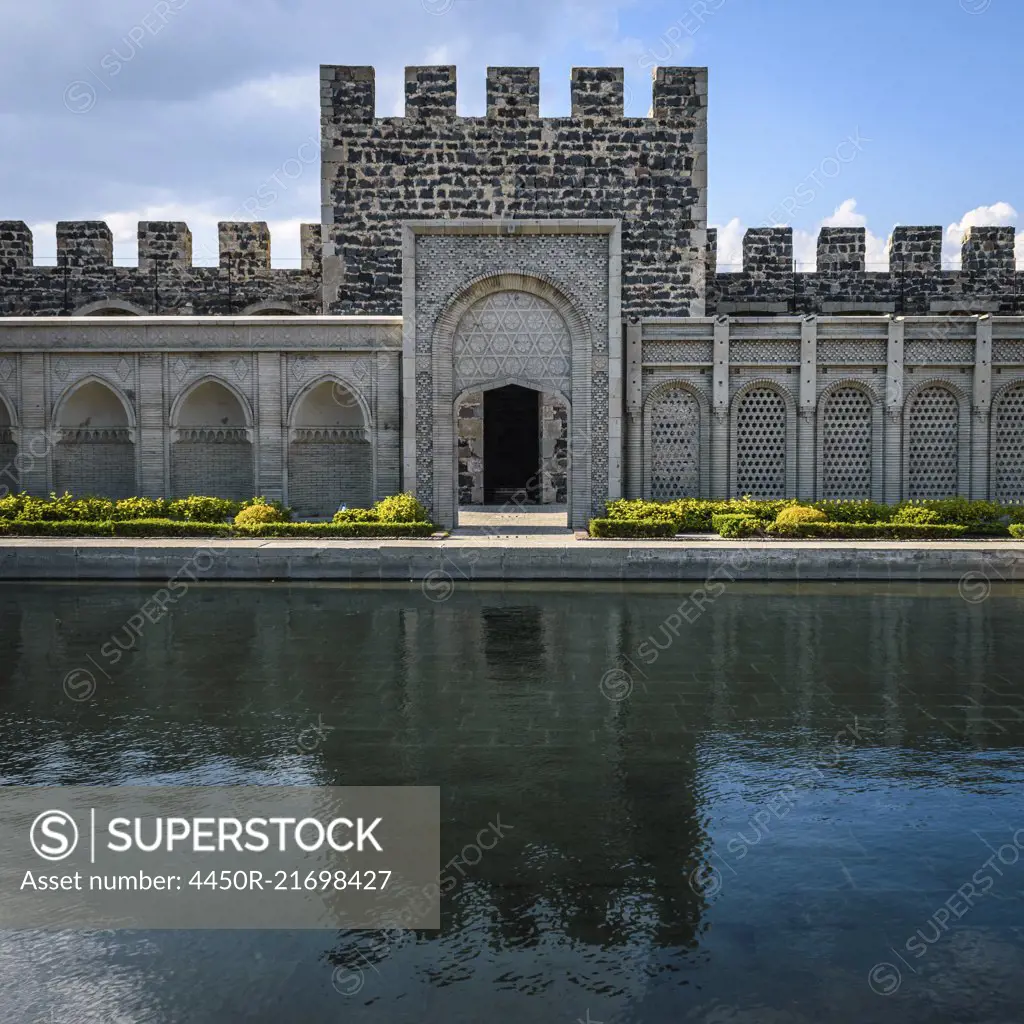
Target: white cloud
[
  {"x": 998, "y": 214},
  {"x": 846, "y": 214},
  {"x": 730, "y": 244},
  {"x": 202, "y": 219}
]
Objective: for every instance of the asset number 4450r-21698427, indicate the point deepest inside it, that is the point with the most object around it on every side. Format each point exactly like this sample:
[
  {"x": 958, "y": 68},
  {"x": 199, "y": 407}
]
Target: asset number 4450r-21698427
[{"x": 290, "y": 881}]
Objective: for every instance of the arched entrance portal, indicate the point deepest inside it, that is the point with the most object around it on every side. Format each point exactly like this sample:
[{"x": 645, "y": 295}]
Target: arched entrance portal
[{"x": 513, "y": 446}]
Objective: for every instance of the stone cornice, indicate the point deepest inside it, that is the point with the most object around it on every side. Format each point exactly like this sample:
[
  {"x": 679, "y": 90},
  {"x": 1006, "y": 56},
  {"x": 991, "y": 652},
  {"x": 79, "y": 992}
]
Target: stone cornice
[{"x": 185, "y": 333}]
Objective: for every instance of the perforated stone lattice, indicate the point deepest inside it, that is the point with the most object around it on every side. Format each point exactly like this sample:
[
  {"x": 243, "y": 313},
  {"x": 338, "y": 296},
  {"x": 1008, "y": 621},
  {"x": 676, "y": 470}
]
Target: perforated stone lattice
[
  {"x": 1008, "y": 447},
  {"x": 512, "y": 334},
  {"x": 933, "y": 434},
  {"x": 677, "y": 352},
  {"x": 675, "y": 445},
  {"x": 1004, "y": 351},
  {"x": 761, "y": 444},
  {"x": 848, "y": 352},
  {"x": 846, "y": 445},
  {"x": 764, "y": 352},
  {"x": 929, "y": 352}
]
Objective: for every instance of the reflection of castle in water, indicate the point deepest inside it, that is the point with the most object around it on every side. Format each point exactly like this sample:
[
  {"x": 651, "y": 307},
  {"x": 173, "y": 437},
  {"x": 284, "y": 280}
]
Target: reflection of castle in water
[{"x": 496, "y": 697}]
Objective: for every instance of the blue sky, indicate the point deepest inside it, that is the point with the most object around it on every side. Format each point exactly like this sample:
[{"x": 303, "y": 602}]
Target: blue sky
[{"x": 871, "y": 113}]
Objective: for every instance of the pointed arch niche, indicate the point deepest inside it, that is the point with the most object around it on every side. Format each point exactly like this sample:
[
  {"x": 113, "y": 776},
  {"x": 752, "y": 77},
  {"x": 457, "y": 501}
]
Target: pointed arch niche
[
  {"x": 95, "y": 449},
  {"x": 211, "y": 442}
]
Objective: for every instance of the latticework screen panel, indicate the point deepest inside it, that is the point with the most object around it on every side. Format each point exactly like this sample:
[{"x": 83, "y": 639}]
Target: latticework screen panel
[
  {"x": 675, "y": 445},
  {"x": 846, "y": 445},
  {"x": 1008, "y": 447},
  {"x": 933, "y": 436},
  {"x": 761, "y": 444}
]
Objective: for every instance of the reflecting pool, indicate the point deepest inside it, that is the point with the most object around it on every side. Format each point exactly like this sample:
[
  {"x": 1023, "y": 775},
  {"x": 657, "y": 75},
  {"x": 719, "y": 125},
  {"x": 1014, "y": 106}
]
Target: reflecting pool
[{"x": 799, "y": 803}]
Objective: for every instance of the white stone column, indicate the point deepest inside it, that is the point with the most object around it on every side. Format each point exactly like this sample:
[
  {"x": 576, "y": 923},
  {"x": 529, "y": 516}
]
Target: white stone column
[
  {"x": 981, "y": 409},
  {"x": 35, "y": 436},
  {"x": 894, "y": 413},
  {"x": 808, "y": 405},
  {"x": 270, "y": 426},
  {"x": 720, "y": 410},
  {"x": 635, "y": 455},
  {"x": 150, "y": 437},
  {"x": 386, "y": 420}
]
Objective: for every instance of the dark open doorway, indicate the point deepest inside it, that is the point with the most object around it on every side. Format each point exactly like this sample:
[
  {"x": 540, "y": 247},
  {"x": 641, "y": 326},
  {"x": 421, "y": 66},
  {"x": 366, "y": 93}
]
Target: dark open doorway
[{"x": 511, "y": 445}]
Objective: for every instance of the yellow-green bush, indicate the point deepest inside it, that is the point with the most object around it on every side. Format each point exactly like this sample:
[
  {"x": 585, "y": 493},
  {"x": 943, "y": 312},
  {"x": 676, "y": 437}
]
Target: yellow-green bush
[
  {"x": 259, "y": 513},
  {"x": 400, "y": 508},
  {"x": 797, "y": 515},
  {"x": 916, "y": 515}
]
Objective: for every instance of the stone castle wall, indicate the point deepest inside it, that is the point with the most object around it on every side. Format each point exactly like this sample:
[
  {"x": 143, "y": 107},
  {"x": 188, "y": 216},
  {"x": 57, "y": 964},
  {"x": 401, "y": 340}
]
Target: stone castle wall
[
  {"x": 85, "y": 279},
  {"x": 649, "y": 172},
  {"x": 915, "y": 282}
]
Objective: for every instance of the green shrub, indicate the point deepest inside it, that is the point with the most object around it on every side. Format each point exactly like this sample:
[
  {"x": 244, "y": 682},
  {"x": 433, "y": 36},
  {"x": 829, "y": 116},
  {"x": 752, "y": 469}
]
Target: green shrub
[
  {"x": 636, "y": 509},
  {"x": 400, "y": 508},
  {"x": 11, "y": 505},
  {"x": 735, "y": 525},
  {"x": 694, "y": 515},
  {"x": 632, "y": 528},
  {"x": 88, "y": 508},
  {"x": 855, "y": 511},
  {"x": 199, "y": 509},
  {"x": 794, "y": 515},
  {"x": 140, "y": 508},
  {"x": 916, "y": 515},
  {"x": 868, "y": 531},
  {"x": 1017, "y": 530},
  {"x": 983, "y": 517},
  {"x": 258, "y": 513},
  {"x": 356, "y": 515}
]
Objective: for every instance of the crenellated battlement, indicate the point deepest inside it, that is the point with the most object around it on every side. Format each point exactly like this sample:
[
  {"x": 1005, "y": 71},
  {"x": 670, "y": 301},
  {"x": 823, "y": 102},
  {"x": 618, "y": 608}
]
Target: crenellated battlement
[
  {"x": 84, "y": 243},
  {"x": 915, "y": 282},
  {"x": 348, "y": 94},
  {"x": 165, "y": 280}
]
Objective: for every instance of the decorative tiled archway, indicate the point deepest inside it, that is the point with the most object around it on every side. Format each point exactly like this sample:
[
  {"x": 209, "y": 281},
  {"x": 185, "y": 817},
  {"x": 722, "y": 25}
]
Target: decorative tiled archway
[{"x": 559, "y": 280}]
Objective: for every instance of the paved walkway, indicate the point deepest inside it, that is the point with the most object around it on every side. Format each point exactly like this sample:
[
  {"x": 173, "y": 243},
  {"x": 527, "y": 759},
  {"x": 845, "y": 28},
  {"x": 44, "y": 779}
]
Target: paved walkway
[{"x": 501, "y": 521}]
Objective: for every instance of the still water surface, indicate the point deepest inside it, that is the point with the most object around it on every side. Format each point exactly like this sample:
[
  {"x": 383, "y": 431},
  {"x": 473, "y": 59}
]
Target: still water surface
[{"x": 758, "y": 821}]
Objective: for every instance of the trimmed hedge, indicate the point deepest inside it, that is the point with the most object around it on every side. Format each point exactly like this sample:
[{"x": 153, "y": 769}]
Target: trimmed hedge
[
  {"x": 867, "y": 531},
  {"x": 381, "y": 530},
  {"x": 177, "y": 528},
  {"x": 112, "y": 528},
  {"x": 695, "y": 515},
  {"x": 1017, "y": 530},
  {"x": 632, "y": 528}
]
